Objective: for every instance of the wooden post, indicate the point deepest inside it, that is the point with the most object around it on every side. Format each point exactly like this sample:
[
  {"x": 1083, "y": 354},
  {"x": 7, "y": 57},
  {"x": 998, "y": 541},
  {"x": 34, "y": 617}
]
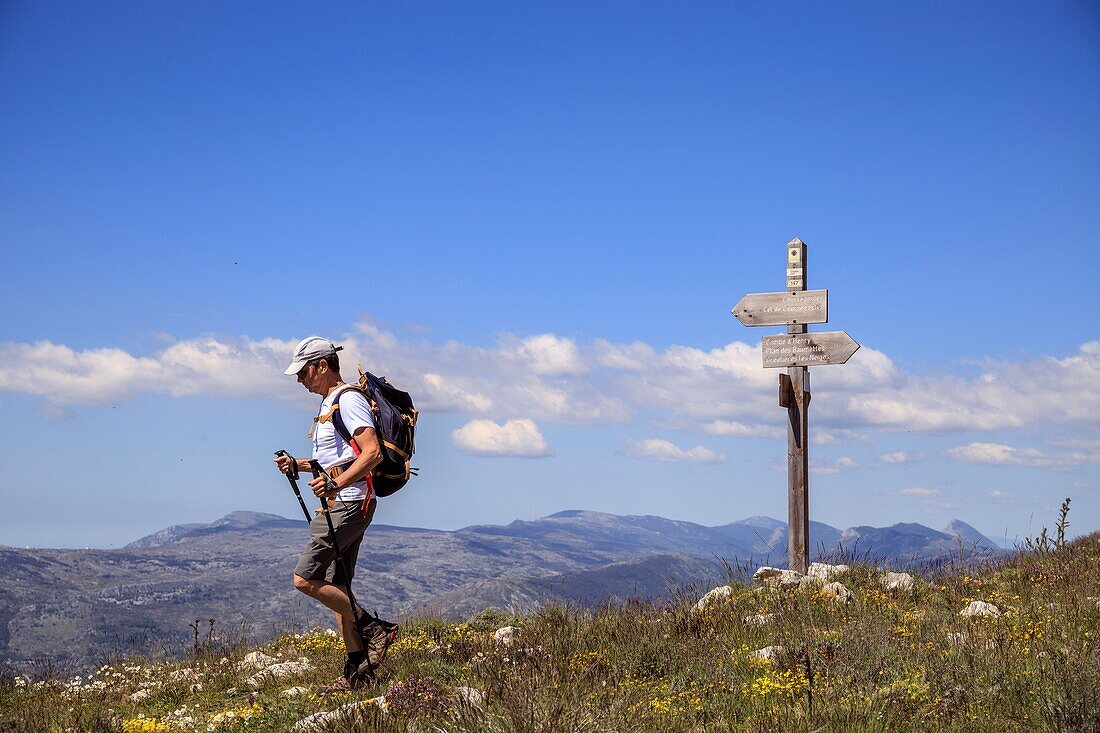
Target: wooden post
[
  {"x": 796, "y": 350},
  {"x": 798, "y": 459}
]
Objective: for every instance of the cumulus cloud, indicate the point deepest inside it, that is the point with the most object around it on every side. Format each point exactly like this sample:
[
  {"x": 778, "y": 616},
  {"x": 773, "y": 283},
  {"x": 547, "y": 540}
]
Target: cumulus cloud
[
  {"x": 722, "y": 391},
  {"x": 920, "y": 491},
  {"x": 547, "y": 354},
  {"x": 75, "y": 377},
  {"x": 997, "y": 454},
  {"x": 741, "y": 430},
  {"x": 1005, "y": 395},
  {"x": 832, "y": 467},
  {"x": 515, "y": 438},
  {"x": 655, "y": 449},
  {"x": 836, "y": 437},
  {"x": 896, "y": 458}
]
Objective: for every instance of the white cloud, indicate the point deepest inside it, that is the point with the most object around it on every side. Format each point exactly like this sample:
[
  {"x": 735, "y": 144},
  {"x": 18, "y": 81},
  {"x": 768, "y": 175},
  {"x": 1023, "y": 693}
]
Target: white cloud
[
  {"x": 1006, "y": 395},
  {"x": 836, "y": 437},
  {"x": 920, "y": 491},
  {"x": 623, "y": 357},
  {"x": 741, "y": 430},
  {"x": 1001, "y": 496},
  {"x": 56, "y": 413},
  {"x": 655, "y": 449},
  {"x": 552, "y": 356},
  {"x": 896, "y": 458},
  {"x": 997, "y": 454},
  {"x": 442, "y": 391},
  {"x": 833, "y": 467},
  {"x": 517, "y": 438},
  {"x": 723, "y": 390},
  {"x": 76, "y": 377}
]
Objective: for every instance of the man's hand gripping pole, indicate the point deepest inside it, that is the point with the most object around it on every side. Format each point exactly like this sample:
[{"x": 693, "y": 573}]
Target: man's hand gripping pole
[{"x": 292, "y": 477}]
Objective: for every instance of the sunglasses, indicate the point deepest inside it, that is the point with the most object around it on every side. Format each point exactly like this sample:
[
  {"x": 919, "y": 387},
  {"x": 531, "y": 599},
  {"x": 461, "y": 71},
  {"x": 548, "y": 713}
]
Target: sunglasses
[{"x": 306, "y": 368}]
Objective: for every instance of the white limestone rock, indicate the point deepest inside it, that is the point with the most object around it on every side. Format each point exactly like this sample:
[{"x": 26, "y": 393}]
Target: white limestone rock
[
  {"x": 471, "y": 697},
  {"x": 824, "y": 572},
  {"x": 323, "y": 720},
  {"x": 897, "y": 581},
  {"x": 771, "y": 653},
  {"x": 760, "y": 619},
  {"x": 776, "y": 577},
  {"x": 837, "y": 592},
  {"x": 980, "y": 608},
  {"x": 279, "y": 671},
  {"x": 714, "y": 597},
  {"x": 257, "y": 660},
  {"x": 505, "y": 636},
  {"x": 295, "y": 691}
]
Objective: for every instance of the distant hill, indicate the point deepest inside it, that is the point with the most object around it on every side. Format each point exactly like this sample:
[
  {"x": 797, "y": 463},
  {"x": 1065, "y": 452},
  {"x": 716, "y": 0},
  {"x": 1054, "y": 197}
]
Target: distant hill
[
  {"x": 970, "y": 536},
  {"x": 74, "y": 606},
  {"x": 230, "y": 522}
]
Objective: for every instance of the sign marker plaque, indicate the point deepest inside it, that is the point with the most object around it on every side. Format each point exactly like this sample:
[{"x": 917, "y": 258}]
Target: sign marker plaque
[
  {"x": 807, "y": 349},
  {"x": 783, "y": 308}
]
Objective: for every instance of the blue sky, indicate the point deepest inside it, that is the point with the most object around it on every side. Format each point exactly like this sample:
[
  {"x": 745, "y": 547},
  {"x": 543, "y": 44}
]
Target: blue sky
[{"x": 536, "y": 217}]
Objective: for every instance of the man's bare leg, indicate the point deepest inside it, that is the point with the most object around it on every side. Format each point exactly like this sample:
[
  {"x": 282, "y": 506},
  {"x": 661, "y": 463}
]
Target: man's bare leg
[
  {"x": 334, "y": 597},
  {"x": 352, "y": 640}
]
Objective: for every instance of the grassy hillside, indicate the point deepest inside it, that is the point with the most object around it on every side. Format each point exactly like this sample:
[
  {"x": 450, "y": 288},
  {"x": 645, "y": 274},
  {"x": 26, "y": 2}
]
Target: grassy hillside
[{"x": 885, "y": 660}]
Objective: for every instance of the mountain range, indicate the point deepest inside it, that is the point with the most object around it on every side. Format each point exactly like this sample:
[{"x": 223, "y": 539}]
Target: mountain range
[{"x": 72, "y": 608}]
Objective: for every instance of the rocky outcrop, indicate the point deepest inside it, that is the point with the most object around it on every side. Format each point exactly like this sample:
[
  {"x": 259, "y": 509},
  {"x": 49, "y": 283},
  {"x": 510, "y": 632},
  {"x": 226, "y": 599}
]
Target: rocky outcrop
[
  {"x": 279, "y": 671},
  {"x": 897, "y": 581},
  {"x": 823, "y": 572},
  {"x": 505, "y": 636},
  {"x": 769, "y": 577},
  {"x": 836, "y": 592},
  {"x": 714, "y": 597},
  {"x": 977, "y": 609},
  {"x": 324, "y": 721}
]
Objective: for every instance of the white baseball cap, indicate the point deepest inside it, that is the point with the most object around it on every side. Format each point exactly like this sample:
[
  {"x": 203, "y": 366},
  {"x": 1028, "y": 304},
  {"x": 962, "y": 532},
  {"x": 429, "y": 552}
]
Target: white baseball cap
[{"x": 308, "y": 349}]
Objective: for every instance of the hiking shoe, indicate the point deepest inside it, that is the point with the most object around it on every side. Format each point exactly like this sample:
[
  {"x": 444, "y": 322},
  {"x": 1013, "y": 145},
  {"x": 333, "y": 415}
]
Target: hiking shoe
[
  {"x": 363, "y": 675},
  {"x": 377, "y": 637},
  {"x": 346, "y": 684}
]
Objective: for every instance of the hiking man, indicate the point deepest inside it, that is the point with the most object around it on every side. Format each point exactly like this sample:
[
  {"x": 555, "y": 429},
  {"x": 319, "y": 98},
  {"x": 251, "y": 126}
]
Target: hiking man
[{"x": 351, "y": 506}]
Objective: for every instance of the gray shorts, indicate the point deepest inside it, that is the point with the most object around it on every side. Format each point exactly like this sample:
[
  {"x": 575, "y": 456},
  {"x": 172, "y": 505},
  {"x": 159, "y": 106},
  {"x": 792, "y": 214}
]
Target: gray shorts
[{"x": 318, "y": 561}]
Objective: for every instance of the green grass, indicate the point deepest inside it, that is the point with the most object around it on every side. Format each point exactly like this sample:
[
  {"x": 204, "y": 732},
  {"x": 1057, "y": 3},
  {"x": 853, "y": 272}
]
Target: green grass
[{"x": 884, "y": 662}]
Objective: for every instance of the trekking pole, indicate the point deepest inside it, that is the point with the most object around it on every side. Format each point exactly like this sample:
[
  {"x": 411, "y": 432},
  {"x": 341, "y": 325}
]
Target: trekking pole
[
  {"x": 318, "y": 471},
  {"x": 292, "y": 477}
]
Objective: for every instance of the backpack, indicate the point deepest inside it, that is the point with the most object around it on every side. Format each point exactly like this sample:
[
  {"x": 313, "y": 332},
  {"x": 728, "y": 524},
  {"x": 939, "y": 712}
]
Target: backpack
[{"x": 395, "y": 425}]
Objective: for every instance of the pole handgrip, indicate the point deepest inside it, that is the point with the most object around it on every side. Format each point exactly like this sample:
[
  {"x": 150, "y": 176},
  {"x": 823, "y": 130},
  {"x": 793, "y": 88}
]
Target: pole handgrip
[
  {"x": 330, "y": 485},
  {"x": 293, "y": 464}
]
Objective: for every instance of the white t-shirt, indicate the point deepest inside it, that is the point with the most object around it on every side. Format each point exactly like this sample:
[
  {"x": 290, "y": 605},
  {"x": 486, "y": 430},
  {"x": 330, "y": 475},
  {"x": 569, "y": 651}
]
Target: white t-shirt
[{"x": 329, "y": 449}]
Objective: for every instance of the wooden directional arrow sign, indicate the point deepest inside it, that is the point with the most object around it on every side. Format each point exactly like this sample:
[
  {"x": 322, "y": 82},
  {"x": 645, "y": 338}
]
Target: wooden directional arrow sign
[
  {"x": 807, "y": 349},
  {"x": 776, "y": 309}
]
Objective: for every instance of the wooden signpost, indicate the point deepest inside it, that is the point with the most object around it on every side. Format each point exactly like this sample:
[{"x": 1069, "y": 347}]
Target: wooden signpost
[{"x": 797, "y": 350}]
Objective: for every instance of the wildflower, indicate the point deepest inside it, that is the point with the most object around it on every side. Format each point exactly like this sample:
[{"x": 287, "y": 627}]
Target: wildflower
[
  {"x": 417, "y": 695},
  {"x": 779, "y": 683},
  {"x": 141, "y": 724}
]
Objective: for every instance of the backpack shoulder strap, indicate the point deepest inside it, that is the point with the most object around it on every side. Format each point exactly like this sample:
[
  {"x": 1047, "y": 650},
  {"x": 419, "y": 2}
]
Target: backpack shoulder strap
[{"x": 338, "y": 420}]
